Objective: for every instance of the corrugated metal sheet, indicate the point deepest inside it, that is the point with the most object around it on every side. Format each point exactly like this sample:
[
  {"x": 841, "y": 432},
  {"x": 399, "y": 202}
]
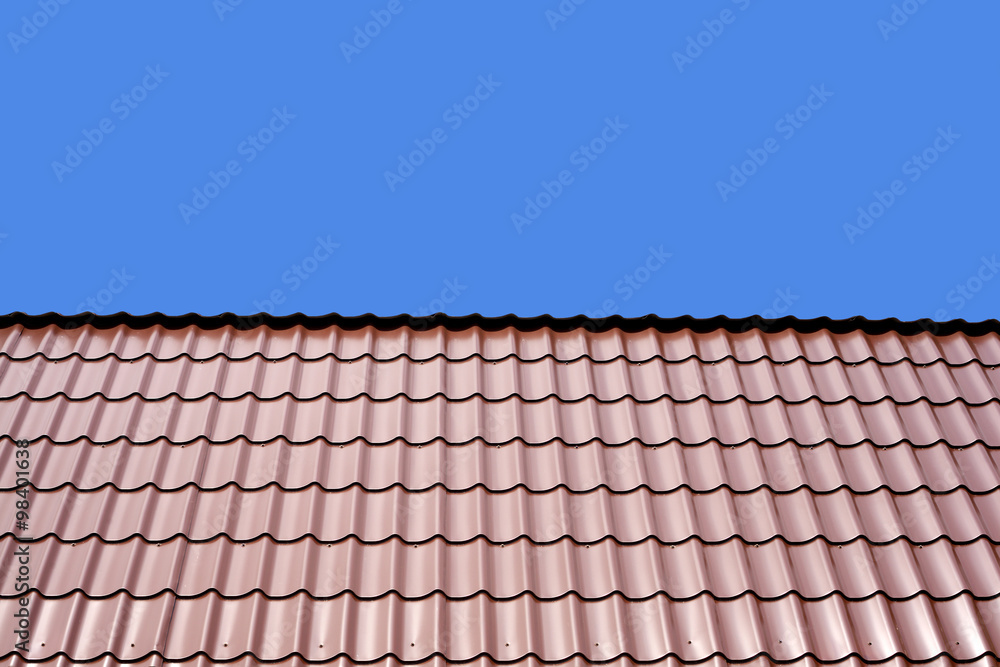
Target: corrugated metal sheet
[{"x": 485, "y": 491}]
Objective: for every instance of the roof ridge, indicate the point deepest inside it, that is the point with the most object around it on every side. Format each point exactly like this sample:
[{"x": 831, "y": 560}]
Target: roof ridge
[{"x": 532, "y": 323}]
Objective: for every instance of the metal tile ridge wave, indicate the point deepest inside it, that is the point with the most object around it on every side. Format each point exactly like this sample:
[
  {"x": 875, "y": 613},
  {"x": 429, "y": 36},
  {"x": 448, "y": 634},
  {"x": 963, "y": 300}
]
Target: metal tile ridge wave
[
  {"x": 478, "y": 396},
  {"x": 485, "y": 661},
  {"x": 375, "y": 517},
  {"x": 627, "y": 468},
  {"x": 726, "y": 571},
  {"x": 126, "y": 343},
  {"x": 462, "y": 630},
  {"x": 535, "y": 381},
  {"x": 493, "y": 323},
  {"x": 885, "y": 423}
]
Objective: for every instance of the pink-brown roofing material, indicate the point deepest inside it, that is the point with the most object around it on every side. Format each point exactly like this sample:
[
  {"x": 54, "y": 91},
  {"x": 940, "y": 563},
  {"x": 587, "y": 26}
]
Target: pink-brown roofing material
[{"x": 526, "y": 491}]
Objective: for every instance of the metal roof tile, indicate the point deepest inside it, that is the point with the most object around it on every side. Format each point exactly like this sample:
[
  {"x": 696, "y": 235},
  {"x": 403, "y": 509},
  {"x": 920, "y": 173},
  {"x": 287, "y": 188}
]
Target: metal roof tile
[
  {"x": 484, "y": 491},
  {"x": 884, "y": 423},
  {"x": 757, "y": 381},
  {"x": 729, "y": 569},
  {"x": 374, "y": 516},
  {"x": 782, "y": 468},
  {"x": 129, "y": 342},
  {"x": 788, "y": 628}
]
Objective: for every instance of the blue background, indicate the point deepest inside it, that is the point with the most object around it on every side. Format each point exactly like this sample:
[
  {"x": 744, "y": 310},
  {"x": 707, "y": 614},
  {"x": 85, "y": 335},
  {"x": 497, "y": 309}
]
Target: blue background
[{"x": 443, "y": 238}]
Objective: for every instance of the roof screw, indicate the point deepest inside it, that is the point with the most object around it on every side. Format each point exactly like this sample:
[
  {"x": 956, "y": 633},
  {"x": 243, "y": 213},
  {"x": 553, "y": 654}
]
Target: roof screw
[{"x": 225, "y": 644}]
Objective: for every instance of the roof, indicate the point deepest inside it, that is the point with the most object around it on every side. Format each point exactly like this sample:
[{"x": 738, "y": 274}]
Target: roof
[{"x": 501, "y": 490}]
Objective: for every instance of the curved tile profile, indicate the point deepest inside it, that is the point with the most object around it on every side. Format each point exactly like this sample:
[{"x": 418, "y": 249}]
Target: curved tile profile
[
  {"x": 710, "y": 341},
  {"x": 503, "y": 490},
  {"x": 530, "y": 661},
  {"x": 693, "y": 630},
  {"x": 644, "y": 381},
  {"x": 759, "y": 516},
  {"x": 782, "y": 468},
  {"x": 728, "y": 570},
  {"x": 884, "y": 423}
]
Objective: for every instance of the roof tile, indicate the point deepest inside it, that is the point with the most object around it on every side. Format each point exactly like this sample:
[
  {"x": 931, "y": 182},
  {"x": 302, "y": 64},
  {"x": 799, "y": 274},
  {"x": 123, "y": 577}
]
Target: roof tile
[{"x": 386, "y": 491}]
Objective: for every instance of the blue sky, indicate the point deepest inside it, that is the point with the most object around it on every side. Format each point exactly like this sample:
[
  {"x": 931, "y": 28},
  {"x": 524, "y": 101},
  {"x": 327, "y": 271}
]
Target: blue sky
[{"x": 730, "y": 157}]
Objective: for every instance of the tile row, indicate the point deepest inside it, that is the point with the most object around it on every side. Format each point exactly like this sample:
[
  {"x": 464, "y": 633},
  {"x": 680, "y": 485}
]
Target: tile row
[
  {"x": 875, "y": 629},
  {"x": 794, "y": 381},
  {"x": 884, "y": 423},
  {"x": 730, "y": 569},
  {"x": 782, "y": 468},
  {"x": 486, "y": 661},
  {"x": 160, "y": 342},
  {"x": 417, "y": 517}
]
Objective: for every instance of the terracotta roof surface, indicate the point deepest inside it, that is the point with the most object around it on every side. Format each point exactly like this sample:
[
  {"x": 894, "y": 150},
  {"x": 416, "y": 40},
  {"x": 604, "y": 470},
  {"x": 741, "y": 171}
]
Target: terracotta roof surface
[{"x": 528, "y": 491}]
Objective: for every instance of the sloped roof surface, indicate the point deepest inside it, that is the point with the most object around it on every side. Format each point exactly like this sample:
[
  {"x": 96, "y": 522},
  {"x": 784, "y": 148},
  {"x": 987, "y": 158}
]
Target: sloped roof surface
[{"x": 530, "y": 491}]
